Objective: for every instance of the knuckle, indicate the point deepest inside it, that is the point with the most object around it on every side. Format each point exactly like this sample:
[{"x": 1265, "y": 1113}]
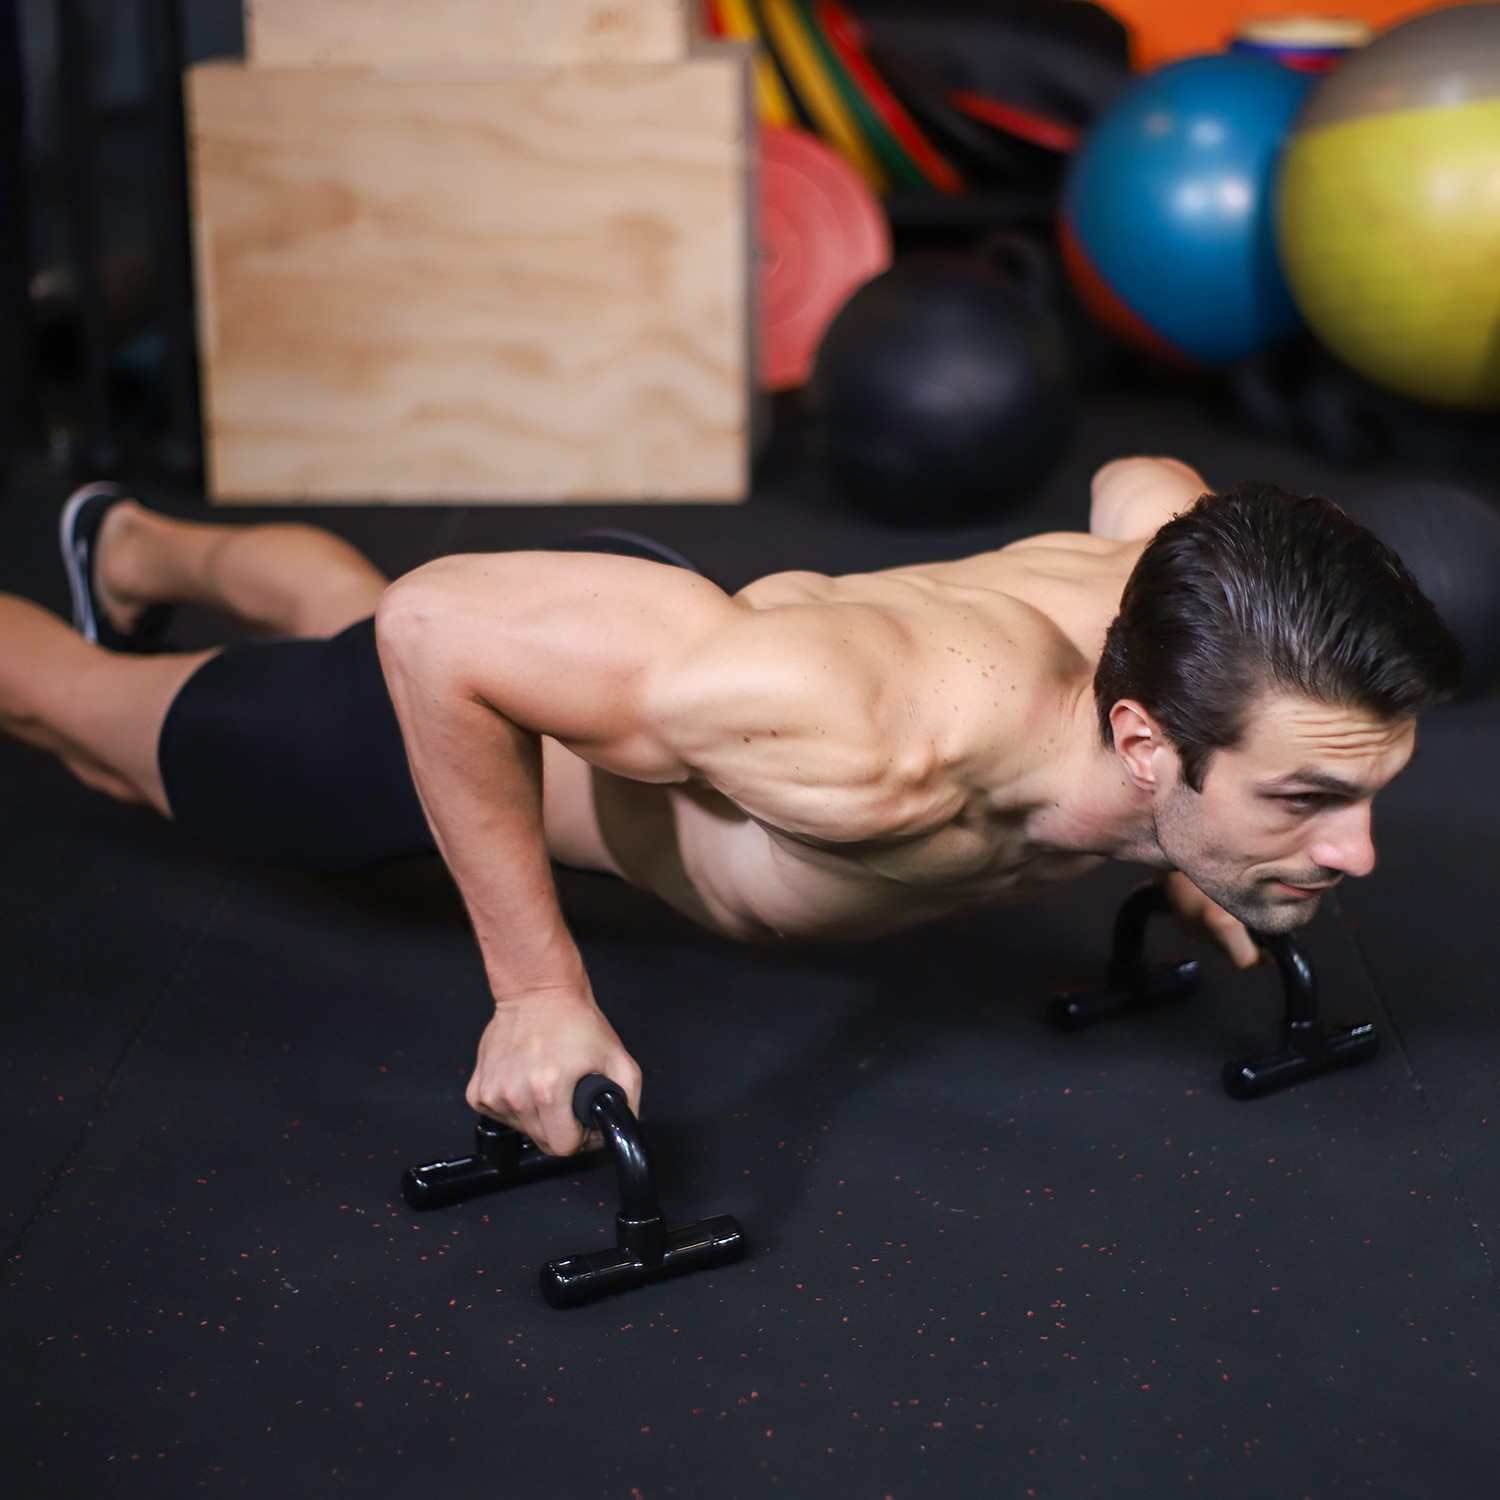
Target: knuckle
[
  {"x": 546, "y": 1088},
  {"x": 514, "y": 1100}
]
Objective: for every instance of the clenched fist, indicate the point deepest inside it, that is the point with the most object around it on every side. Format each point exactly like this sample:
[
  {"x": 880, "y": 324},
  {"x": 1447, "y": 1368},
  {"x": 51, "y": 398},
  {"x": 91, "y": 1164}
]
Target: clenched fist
[{"x": 531, "y": 1056}]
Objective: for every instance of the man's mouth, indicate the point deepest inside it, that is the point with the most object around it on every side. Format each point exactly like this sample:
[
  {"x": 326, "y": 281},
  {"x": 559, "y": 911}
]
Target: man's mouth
[{"x": 1304, "y": 892}]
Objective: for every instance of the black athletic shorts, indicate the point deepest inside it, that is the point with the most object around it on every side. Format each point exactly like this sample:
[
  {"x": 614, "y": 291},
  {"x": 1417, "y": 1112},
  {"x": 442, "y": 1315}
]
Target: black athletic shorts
[{"x": 290, "y": 751}]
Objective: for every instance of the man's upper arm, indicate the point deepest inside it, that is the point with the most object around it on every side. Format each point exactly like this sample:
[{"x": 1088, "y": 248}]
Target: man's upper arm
[
  {"x": 569, "y": 645},
  {"x": 656, "y": 675},
  {"x": 1132, "y": 498}
]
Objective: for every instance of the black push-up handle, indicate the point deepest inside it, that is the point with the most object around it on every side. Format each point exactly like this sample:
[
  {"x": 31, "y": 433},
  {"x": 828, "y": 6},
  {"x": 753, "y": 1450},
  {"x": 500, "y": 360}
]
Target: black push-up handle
[
  {"x": 1309, "y": 1046},
  {"x": 646, "y": 1250},
  {"x": 1130, "y": 984},
  {"x": 502, "y": 1158}
]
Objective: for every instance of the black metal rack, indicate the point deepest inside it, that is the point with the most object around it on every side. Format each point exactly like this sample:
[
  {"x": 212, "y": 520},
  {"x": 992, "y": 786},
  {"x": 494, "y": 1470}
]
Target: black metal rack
[{"x": 176, "y": 443}]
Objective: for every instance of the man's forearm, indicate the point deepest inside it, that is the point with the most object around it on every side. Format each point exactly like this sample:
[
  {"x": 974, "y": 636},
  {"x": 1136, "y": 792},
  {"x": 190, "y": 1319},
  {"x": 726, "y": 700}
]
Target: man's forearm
[{"x": 480, "y": 780}]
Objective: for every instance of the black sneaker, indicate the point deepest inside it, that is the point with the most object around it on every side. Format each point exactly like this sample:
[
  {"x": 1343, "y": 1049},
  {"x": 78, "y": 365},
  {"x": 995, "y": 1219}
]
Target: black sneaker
[{"x": 77, "y": 531}]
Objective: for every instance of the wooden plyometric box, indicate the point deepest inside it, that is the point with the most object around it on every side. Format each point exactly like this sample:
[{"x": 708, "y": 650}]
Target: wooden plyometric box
[
  {"x": 523, "y": 287},
  {"x": 373, "y": 33}
]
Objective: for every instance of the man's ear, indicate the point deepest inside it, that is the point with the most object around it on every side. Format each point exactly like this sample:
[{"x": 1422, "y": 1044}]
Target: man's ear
[{"x": 1139, "y": 743}]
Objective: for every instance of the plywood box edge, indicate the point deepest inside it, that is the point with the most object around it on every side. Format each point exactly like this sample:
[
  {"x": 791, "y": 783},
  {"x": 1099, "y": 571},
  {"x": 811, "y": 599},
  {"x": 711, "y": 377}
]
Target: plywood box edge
[{"x": 365, "y": 33}]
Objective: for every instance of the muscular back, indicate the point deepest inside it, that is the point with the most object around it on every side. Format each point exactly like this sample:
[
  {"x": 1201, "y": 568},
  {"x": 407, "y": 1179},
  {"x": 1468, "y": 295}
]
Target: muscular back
[{"x": 869, "y": 749}]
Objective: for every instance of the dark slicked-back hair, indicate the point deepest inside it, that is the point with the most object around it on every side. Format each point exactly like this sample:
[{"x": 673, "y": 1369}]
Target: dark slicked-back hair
[{"x": 1258, "y": 589}]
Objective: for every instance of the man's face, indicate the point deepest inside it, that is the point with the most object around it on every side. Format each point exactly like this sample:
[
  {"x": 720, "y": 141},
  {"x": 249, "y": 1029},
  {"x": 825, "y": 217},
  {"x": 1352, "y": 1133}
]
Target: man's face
[{"x": 1286, "y": 814}]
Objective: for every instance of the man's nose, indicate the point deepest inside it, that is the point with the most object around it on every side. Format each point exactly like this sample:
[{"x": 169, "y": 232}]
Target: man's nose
[{"x": 1346, "y": 842}]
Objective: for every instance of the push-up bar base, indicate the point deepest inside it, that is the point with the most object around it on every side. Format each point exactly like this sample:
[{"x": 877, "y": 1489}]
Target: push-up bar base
[{"x": 646, "y": 1250}]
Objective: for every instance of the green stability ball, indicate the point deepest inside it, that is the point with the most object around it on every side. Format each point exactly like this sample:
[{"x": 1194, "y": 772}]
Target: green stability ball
[{"x": 1388, "y": 209}]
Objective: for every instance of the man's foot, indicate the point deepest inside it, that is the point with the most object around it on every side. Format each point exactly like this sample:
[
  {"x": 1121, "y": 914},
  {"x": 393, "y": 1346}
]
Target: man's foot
[{"x": 95, "y": 617}]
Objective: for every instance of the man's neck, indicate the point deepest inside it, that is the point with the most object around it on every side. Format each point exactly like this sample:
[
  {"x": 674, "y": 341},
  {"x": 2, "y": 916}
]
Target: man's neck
[{"x": 1094, "y": 808}]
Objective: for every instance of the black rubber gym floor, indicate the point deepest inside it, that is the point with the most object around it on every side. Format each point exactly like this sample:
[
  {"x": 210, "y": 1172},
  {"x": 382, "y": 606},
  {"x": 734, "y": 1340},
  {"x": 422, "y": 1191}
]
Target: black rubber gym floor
[{"x": 987, "y": 1260}]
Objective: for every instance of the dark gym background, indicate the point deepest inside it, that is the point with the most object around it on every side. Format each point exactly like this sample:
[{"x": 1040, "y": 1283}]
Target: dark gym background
[{"x": 986, "y": 1260}]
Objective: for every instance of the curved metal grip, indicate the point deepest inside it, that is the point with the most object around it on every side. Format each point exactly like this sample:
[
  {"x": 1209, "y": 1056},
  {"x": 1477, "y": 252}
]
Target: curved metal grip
[
  {"x": 587, "y": 1091},
  {"x": 600, "y": 1104},
  {"x": 1129, "y": 938},
  {"x": 1130, "y": 983},
  {"x": 1299, "y": 985}
]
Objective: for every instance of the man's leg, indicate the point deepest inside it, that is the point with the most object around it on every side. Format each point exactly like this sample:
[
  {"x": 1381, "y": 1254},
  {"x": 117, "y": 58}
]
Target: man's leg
[
  {"x": 101, "y": 714},
  {"x": 285, "y": 750},
  {"x": 274, "y": 580}
]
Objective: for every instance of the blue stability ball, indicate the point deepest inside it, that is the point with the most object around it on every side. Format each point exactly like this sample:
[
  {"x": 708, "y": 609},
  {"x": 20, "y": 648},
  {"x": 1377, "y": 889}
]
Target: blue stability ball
[{"x": 1166, "y": 218}]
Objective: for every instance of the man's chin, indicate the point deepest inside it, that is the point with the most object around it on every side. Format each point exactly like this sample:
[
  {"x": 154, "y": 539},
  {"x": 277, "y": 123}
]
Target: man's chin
[
  {"x": 1280, "y": 915},
  {"x": 1271, "y": 914}
]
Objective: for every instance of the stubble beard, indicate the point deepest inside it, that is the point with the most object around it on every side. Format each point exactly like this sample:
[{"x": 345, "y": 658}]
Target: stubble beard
[
  {"x": 1178, "y": 830},
  {"x": 1256, "y": 908}
]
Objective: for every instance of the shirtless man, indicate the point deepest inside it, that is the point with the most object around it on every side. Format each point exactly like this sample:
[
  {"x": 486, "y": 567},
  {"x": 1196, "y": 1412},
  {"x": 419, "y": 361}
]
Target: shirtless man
[{"x": 811, "y": 758}]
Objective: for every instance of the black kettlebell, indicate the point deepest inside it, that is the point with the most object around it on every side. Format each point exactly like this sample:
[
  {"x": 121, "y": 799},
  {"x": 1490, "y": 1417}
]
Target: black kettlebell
[{"x": 943, "y": 390}]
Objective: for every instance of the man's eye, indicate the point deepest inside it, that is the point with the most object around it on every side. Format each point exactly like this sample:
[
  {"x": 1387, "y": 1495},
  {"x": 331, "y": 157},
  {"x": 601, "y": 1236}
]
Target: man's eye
[{"x": 1303, "y": 801}]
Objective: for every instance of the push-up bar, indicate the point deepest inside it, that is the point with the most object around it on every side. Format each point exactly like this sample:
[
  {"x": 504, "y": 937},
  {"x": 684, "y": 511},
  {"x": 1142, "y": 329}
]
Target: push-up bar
[
  {"x": 1309, "y": 1045},
  {"x": 645, "y": 1251}
]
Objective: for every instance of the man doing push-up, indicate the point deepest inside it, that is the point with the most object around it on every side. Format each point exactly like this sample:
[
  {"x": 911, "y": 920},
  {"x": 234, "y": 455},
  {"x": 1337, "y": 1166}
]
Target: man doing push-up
[{"x": 1211, "y": 685}]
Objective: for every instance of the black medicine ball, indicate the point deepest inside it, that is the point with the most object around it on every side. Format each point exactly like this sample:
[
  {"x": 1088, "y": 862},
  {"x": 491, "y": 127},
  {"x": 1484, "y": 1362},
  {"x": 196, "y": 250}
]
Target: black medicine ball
[
  {"x": 1450, "y": 539},
  {"x": 942, "y": 393}
]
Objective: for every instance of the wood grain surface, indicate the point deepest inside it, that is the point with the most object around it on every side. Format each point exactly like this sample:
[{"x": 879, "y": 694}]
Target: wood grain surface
[
  {"x": 373, "y": 33},
  {"x": 525, "y": 287}
]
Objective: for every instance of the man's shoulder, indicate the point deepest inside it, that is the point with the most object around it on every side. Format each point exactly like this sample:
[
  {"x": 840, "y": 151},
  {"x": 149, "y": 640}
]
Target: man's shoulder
[
  {"x": 876, "y": 636},
  {"x": 794, "y": 656},
  {"x": 867, "y": 712},
  {"x": 870, "y": 630}
]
